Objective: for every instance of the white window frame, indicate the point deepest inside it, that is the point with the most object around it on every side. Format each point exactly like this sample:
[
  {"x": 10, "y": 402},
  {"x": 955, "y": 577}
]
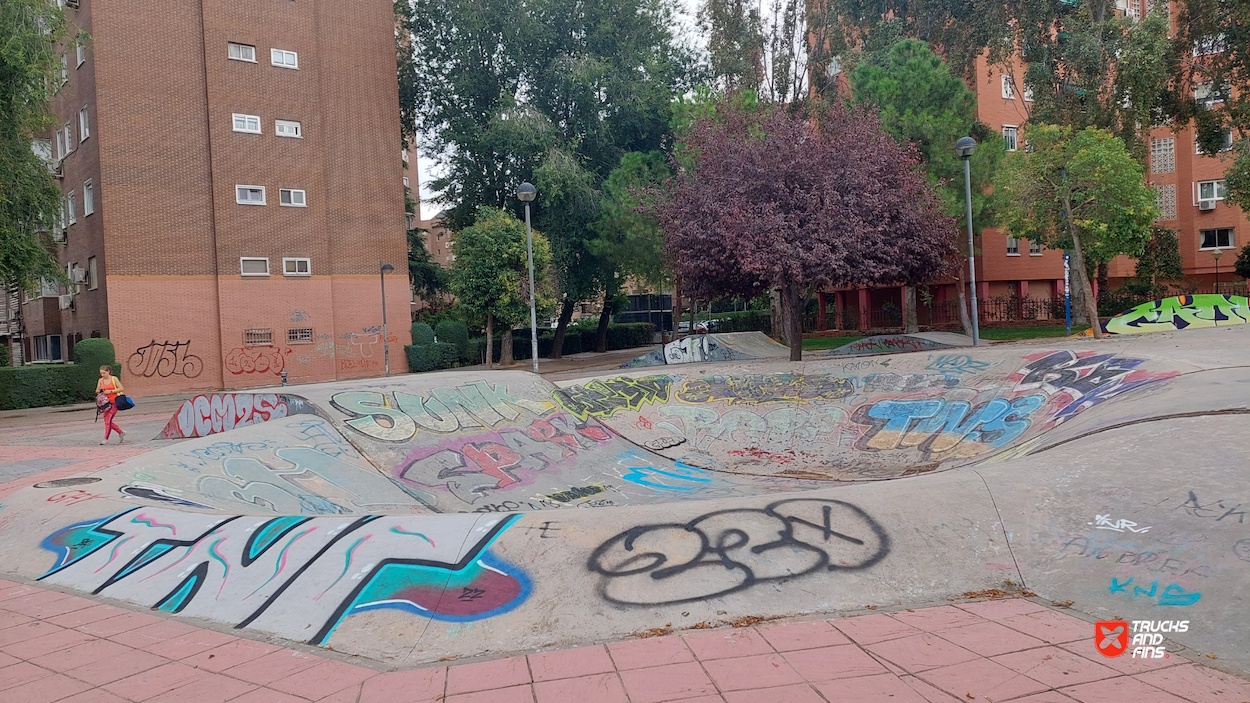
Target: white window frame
[
  {"x": 64, "y": 69},
  {"x": 253, "y": 258},
  {"x": 93, "y": 280},
  {"x": 278, "y": 57},
  {"x": 71, "y": 208},
  {"x": 1228, "y": 144},
  {"x": 296, "y": 260},
  {"x": 1028, "y": 94},
  {"x": 249, "y": 201},
  {"x": 1207, "y": 95},
  {"x": 1013, "y": 142},
  {"x": 247, "y": 120},
  {"x": 1035, "y": 248},
  {"x": 279, "y": 126},
  {"x": 1009, "y": 87},
  {"x": 258, "y": 337},
  {"x": 81, "y": 52},
  {"x": 88, "y": 197},
  {"x": 406, "y": 185},
  {"x": 1013, "y": 243},
  {"x": 303, "y": 196},
  {"x": 1219, "y": 189},
  {"x": 231, "y": 45},
  {"x": 1211, "y": 45},
  {"x": 69, "y": 138},
  {"x": 1232, "y": 238},
  {"x": 60, "y": 145},
  {"x": 300, "y": 335},
  {"x": 84, "y": 126}
]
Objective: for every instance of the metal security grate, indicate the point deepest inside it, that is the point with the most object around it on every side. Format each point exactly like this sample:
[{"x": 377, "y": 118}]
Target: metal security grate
[{"x": 253, "y": 338}]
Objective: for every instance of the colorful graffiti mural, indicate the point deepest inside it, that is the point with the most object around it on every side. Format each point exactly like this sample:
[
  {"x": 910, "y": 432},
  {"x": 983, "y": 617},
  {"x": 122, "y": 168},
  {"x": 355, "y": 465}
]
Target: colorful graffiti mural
[
  {"x": 606, "y": 398},
  {"x": 220, "y": 412},
  {"x": 295, "y": 576},
  {"x": 1181, "y": 312},
  {"x": 397, "y": 416}
]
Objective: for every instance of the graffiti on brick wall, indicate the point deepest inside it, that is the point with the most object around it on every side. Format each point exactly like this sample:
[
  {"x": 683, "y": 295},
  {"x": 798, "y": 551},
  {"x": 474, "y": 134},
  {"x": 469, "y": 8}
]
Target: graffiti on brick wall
[
  {"x": 165, "y": 359},
  {"x": 770, "y": 388},
  {"x": 220, "y": 412},
  {"x": 1181, "y": 312},
  {"x": 295, "y": 576},
  {"x": 397, "y": 416},
  {"x": 262, "y": 359},
  {"x": 1085, "y": 378},
  {"x": 472, "y": 467},
  {"x": 727, "y": 551},
  {"x": 606, "y": 398}
]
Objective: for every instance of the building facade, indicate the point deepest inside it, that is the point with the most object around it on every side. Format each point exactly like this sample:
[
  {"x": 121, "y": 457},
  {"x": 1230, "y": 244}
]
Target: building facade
[{"x": 232, "y": 178}]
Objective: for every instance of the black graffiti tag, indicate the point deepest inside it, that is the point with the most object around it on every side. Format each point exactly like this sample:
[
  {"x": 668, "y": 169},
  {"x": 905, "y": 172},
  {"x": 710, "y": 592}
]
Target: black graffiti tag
[
  {"x": 165, "y": 359},
  {"x": 727, "y": 551}
]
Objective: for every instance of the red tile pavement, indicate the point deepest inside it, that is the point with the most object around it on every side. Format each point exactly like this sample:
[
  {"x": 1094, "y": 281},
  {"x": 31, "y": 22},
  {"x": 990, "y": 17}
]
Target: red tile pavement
[{"x": 59, "y": 648}]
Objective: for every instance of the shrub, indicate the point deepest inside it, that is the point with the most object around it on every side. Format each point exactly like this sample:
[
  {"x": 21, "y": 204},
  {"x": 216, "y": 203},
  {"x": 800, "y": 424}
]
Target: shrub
[
  {"x": 41, "y": 385},
  {"x": 431, "y": 357},
  {"x": 457, "y": 333},
  {"x": 89, "y": 355},
  {"x": 422, "y": 334}
]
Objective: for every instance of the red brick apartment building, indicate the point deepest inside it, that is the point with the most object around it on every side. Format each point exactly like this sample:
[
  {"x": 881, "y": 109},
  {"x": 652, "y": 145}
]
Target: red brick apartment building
[
  {"x": 1190, "y": 199},
  {"x": 232, "y": 184}
]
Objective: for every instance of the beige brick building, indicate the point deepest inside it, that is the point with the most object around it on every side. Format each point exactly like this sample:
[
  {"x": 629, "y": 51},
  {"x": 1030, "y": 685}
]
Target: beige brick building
[{"x": 233, "y": 182}]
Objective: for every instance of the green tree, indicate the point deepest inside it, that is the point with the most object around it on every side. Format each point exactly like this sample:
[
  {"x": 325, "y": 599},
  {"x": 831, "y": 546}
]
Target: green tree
[
  {"x": 30, "y": 199},
  {"x": 1242, "y": 265},
  {"x": 1077, "y": 190},
  {"x": 1160, "y": 259},
  {"x": 921, "y": 103},
  {"x": 490, "y": 275},
  {"x": 428, "y": 278}
]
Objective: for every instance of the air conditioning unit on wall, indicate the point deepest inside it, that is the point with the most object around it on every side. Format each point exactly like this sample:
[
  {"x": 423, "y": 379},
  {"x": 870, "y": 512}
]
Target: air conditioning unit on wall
[
  {"x": 1206, "y": 205},
  {"x": 66, "y": 301}
]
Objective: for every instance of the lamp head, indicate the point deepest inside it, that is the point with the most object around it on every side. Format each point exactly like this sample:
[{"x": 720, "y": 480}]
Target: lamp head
[
  {"x": 526, "y": 192},
  {"x": 966, "y": 147},
  {"x": 1217, "y": 254},
  {"x": 386, "y": 268}
]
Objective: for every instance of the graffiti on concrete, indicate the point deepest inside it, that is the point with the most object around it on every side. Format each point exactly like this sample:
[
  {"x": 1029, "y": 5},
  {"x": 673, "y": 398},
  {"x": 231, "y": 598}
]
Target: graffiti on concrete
[
  {"x": 681, "y": 476},
  {"x": 1214, "y": 509},
  {"x": 781, "y": 428},
  {"x": 1104, "y": 522},
  {"x": 1181, "y": 312},
  {"x": 306, "y": 482},
  {"x": 471, "y": 467},
  {"x": 754, "y": 389},
  {"x": 220, "y": 412},
  {"x": 260, "y": 359},
  {"x": 886, "y": 343},
  {"x": 938, "y": 426},
  {"x": 396, "y": 417},
  {"x": 1086, "y": 378},
  {"x": 606, "y": 398},
  {"x": 294, "y": 576},
  {"x": 165, "y": 359},
  {"x": 158, "y": 494},
  {"x": 1241, "y": 549},
  {"x": 1173, "y": 594},
  {"x": 727, "y": 551},
  {"x": 908, "y": 382},
  {"x": 956, "y": 364}
]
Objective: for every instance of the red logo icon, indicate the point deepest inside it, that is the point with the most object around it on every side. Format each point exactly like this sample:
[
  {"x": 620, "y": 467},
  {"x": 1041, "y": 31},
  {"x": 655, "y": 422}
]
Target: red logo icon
[{"x": 1111, "y": 637}]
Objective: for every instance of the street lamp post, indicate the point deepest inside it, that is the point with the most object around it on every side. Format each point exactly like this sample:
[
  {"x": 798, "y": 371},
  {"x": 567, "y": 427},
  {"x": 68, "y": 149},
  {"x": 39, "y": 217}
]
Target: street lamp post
[
  {"x": 526, "y": 192},
  {"x": 386, "y": 345},
  {"x": 966, "y": 147},
  {"x": 1216, "y": 255}
]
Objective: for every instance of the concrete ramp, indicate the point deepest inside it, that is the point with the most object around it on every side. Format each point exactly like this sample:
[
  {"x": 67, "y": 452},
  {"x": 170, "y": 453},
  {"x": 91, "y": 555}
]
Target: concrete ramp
[
  {"x": 730, "y": 346},
  {"x": 895, "y": 343},
  {"x": 1181, "y": 312}
]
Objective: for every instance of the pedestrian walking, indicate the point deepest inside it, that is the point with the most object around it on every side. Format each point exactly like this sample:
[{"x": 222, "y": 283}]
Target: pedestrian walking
[{"x": 109, "y": 387}]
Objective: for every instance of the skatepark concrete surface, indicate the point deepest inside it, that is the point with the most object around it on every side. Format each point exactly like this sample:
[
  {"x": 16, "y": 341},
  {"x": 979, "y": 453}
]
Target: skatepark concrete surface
[
  {"x": 452, "y": 515},
  {"x": 728, "y": 346},
  {"x": 893, "y": 343}
]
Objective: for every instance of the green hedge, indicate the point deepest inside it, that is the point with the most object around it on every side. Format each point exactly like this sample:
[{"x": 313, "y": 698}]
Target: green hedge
[
  {"x": 40, "y": 385},
  {"x": 431, "y": 357},
  {"x": 89, "y": 355},
  {"x": 577, "y": 339},
  {"x": 422, "y": 334},
  {"x": 457, "y": 333}
]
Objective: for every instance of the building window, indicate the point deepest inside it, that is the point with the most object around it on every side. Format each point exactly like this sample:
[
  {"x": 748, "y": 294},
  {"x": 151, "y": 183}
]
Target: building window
[
  {"x": 285, "y": 59},
  {"x": 1211, "y": 190},
  {"x": 1221, "y": 238},
  {"x": 1207, "y": 95},
  {"x": 291, "y": 198},
  {"x": 406, "y": 182},
  {"x": 241, "y": 52},
  {"x": 1009, "y": 137},
  {"x": 1225, "y": 146},
  {"x": 296, "y": 266},
  {"x": 246, "y": 123},
  {"x": 1028, "y": 94},
  {"x": 1035, "y": 248},
  {"x": 1210, "y": 45},
  {"x": 69, "y": 138},
  {"x": 93, "y": 280},
  {"x": 1165, "y": 199},
  {"x": 299, "y": 335},
  {"x": 64, "y": 70},
  {"x": 84, "y": 128},
  {"x": 1163, "y": 155},
  {"x": 60, "y": 145},
  {"x": 253, "y": 266},
  {"x": 249, "y": 195},
  {"x": 88, "y": 197},
  {"x": 48, "y": 347},
  {"x": 1013, "y": 246},
  {"x": 1009, "y": 88},
  {"x": 82, "y": 53},
  {"x": 71, "y": 208},
  {"x": 286, "y": 128},
  {"x": 257, "y": 338}
]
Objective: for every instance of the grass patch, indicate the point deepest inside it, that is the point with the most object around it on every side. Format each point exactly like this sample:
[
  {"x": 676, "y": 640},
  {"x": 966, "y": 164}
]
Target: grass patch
[
  {"x": 1002, "y": 334},
  {"x": 818, "y": 343}
]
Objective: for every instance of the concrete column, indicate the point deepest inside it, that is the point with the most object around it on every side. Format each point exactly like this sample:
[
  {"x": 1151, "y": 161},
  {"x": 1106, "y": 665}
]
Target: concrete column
[
  {"x": 864, "y": 304},
  {"x": 821, "y": 323}
]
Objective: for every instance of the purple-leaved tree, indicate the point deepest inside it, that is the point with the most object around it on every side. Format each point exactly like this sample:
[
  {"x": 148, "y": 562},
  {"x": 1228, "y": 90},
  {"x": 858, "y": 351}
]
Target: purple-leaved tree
[{"x": 768, "y": 199}]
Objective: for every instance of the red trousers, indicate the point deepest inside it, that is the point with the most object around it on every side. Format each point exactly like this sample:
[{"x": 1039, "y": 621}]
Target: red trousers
[{"x": 109, "y": 425}]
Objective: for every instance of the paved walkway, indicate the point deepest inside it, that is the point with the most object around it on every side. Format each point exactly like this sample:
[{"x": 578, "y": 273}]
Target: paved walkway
[{"x": 60, "y": 647}]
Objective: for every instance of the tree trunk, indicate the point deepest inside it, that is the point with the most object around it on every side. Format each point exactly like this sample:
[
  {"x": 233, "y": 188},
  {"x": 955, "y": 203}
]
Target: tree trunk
[
  {"x": 505, "y": 354},
  {"x": 965, "y": 320},
  {"x": 676, "y": 306},
  {"x": 490, "y": 340},
  {"x": 557, "y": 344},
  {"x": 911, "y": 321},
  {"x": 694, "y": 310},
  {"x": 605, "y": 316},
  {"x": 1103, "y": 282},
  {"x": 778, "y": 319},
  {"x": 1082, "y": 276},
  {"x": 793, "y": 311}
]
